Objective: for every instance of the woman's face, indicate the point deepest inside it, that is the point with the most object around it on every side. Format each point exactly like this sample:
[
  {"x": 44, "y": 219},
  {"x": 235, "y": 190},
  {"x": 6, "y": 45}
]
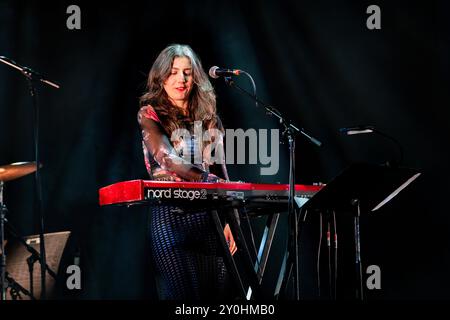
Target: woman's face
[{"x": 179, "y": 83}]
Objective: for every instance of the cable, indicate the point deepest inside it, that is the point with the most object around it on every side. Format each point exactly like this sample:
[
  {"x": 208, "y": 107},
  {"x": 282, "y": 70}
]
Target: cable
[
  {"x": 329, "y": 256},
  {"x": 318, "y": 253},
  {"x": 335, "y": 254},
  {"x": 253, "y": 85}
]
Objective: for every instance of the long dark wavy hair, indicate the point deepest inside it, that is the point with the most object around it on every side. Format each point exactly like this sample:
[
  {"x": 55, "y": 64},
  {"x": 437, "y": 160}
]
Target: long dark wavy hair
[{"x": 202, "y": 99}]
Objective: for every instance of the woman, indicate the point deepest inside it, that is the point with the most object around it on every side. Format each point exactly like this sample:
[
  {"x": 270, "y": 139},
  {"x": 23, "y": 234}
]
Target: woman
[{"x": 184, "y": 245}]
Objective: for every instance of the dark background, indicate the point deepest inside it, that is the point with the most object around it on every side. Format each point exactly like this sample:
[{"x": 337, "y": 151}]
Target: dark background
[{"x": 315, "y": 60}]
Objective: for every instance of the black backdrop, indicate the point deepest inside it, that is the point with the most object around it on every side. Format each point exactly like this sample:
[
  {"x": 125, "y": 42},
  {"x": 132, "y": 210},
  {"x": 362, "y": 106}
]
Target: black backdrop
[{"x": 315, "y": 60}]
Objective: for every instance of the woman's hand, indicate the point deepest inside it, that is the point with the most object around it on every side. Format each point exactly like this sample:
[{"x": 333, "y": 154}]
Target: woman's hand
[{"x": 230, "y": 240}]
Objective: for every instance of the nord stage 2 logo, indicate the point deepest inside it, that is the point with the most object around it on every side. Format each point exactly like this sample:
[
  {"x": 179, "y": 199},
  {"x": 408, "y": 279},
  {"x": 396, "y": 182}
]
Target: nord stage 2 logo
[{"x": 176, "y": 194}]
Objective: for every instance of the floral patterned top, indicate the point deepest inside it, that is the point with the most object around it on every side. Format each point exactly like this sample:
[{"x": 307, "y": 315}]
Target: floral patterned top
[{"x": 166, "y": 160}]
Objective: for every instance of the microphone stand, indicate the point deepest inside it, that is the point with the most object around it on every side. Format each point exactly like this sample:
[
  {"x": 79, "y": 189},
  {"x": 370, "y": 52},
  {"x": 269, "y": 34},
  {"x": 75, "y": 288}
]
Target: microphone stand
[
  {"x": 2, "y": 245},
  {"x": 32, "y": 76},
  {"x": 289, "y": 133},
  {"x": 274, "y": 112}
]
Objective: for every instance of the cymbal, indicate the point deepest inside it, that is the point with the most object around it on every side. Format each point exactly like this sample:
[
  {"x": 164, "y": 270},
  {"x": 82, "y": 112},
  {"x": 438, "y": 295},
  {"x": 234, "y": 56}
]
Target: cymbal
[{"x": 16, "y": 170}]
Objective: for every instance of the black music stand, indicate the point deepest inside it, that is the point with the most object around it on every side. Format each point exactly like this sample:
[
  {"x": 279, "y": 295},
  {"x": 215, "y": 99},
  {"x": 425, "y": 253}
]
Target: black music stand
[
  {"x": 361, "y": 188},
  {"x": 373, "y": 185}
]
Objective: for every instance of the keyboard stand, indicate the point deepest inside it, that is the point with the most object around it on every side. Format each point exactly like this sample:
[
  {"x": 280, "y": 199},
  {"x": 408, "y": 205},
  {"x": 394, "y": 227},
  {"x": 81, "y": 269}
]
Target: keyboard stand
[{"x": 254, "y": 271}]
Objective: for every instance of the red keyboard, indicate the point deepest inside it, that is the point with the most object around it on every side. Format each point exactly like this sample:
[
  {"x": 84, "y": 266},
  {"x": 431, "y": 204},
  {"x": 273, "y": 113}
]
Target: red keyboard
[{"x": 139, "y": 191}]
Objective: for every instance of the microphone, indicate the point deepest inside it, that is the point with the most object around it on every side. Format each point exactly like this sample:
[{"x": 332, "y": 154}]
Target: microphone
[
  {"x": 371, "y": 129},
  {"x": 357, "y": 130},
  {"x": 216, "y": 72}
]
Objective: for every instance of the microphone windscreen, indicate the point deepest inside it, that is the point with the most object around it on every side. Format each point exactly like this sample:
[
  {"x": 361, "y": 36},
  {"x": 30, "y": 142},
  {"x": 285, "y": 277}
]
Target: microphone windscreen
[{"x": 212, "y": 72}]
